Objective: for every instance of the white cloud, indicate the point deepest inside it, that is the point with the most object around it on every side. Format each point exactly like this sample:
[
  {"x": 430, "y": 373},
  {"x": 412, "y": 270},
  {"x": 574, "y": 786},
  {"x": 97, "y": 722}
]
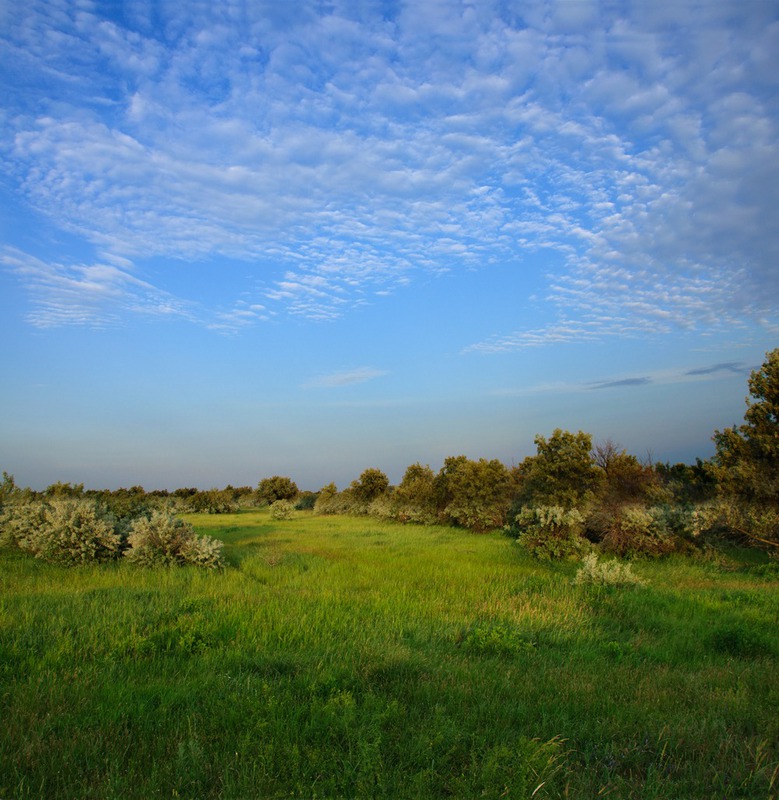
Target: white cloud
[
  {"x": 342, "y": 153},
  {"x": 94, "y": 294}
]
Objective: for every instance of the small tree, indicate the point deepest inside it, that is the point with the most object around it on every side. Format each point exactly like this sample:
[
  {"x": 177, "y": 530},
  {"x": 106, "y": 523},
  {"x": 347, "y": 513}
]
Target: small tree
[
  {"x": 746, "y": 464},
  {"x": 414, "y": 498},
  {"x": 279, "y": 487},
  {"x": 372, "y": 484},
  {"x": 326, "y": 500},
  {"x": 477, "y": 493},
  {"x": 563, "y": 473}
]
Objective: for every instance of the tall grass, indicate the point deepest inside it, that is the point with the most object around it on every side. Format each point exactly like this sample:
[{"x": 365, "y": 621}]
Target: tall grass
[{"x": 341, "y": 657}]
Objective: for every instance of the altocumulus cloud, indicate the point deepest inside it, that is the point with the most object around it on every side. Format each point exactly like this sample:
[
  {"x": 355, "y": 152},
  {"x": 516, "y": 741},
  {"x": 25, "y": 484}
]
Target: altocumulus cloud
[{"x": 344, "y": 152}]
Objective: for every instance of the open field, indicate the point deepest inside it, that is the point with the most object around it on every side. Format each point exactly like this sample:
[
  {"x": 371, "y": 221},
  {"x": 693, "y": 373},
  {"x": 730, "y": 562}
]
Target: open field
[{"x": 342, "y": 657}]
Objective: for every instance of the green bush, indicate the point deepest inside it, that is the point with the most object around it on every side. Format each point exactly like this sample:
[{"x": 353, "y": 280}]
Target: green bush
[
  {"x": 165, "y": 540},
  {"x": 213, "y": 501},
  {"x": 65, "y": 531},
  {"x": 606, "y": 573},
  {"x": 549, "y": 532},
  {"x": 306, "y": 501}
]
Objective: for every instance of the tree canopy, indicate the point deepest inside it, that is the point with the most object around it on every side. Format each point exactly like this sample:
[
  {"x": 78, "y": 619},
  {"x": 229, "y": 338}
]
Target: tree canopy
[{"x": 746, "y": 464}]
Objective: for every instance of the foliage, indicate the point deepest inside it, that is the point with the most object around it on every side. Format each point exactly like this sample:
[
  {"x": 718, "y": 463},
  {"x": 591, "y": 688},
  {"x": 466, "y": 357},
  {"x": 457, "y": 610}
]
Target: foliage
[
  {"x": 746, "y": 463},
  {"x": 65, "y": 531},
  {"x": 687, "y": 483},
  {"x": 327, "y": 501},
  {"x": 478, "y": 493},
  {"x": 282, "y": 509},
  {"x": 213, "y": 501},
  {"x": 20, "y": 524},
  {"x": 563, "y": 473},
  {"x": 549, "y": 532},
  {"x": 165, "y": 540},
  {"x": 414, "y": 498},
  {"x": 279, "y": 487},
  {"x": 371, "y": 484},
  {"x": 8, "y": 489},
  {"x": 624, "y": 480},
  {"x": 306, "y": 501},
  {"x": 634, "y": 530},
  {"x": 61, "y": 490},
  {"x": 606, "y": 573}
]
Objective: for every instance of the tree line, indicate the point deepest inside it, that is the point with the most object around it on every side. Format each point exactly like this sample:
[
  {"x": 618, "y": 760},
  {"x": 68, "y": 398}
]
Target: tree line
[{"x": 572, "y": 493}]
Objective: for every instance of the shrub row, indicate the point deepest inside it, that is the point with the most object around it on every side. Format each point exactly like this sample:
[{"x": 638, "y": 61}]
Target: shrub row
[{"x": 74, "y": 531}]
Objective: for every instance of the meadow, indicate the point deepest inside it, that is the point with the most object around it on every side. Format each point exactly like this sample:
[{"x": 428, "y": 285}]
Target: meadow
[{"x": 346, "y": 657}]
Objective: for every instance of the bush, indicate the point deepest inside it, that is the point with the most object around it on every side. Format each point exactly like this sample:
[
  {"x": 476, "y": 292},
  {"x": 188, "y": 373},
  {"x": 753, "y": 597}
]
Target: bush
[
  {"x": 606, "y": 573},
  {"x": 213, "y": 501},
  {"x": 165, "y": 540},
  {"x": 20, "y": 523},
  {"x": 637, "y": 531},
  {"x": 551, "y": 531},
  {"x": 306, "y": 501},
  {"x": 282, "y": 509},
  {"x": 65, "y": 531}
]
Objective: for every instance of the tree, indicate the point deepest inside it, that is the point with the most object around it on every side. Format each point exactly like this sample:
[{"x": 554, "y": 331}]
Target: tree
[
  {"x": 414, "y": 498},
  {"x": 477, "y": 493},
  {"x": 746, "y": 463},
  {"x": 563, "y": 473},
  {"x": 372, "y": 484},
  {"x": 279, "y": 487},
  {"x": 8, "y": 489}
]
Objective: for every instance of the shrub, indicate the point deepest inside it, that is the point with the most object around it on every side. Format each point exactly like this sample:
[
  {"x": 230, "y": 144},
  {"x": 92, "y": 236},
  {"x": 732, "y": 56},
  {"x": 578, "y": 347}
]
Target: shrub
[
  {"x": 282, "y": 509},
  {"x": 474, "y": 494},
  {"x": 66, "y": 531},
  {"x": 20, "y": 523},
  {"x": 165, "y": 540},
  {"x": 279, "y": 487},
  {"x": 213, "y": 501},
  {"x": 306, "y": 501},
  {"x": 637, "y": 531},
  {"x": 551, "y": 531},
  {"x": 606, "y": 573},
  {"x": 331, "y": 501}
]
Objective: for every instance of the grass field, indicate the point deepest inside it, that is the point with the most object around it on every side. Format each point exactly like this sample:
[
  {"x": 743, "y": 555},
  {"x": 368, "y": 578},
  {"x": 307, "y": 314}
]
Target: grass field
[{"x": 342, "y": 657}]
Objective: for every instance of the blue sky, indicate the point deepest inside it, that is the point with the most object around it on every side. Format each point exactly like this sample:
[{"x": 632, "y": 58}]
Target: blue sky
[{"x": 240, "y": 239}]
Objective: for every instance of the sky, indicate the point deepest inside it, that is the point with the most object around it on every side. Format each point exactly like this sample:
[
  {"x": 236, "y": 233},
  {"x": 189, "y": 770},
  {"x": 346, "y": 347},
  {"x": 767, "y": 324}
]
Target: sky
[{"x": 244, "y": 239}]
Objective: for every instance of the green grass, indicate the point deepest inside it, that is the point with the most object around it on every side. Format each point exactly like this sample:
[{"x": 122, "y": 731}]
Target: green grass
[{"x": 343, "y": 657}]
